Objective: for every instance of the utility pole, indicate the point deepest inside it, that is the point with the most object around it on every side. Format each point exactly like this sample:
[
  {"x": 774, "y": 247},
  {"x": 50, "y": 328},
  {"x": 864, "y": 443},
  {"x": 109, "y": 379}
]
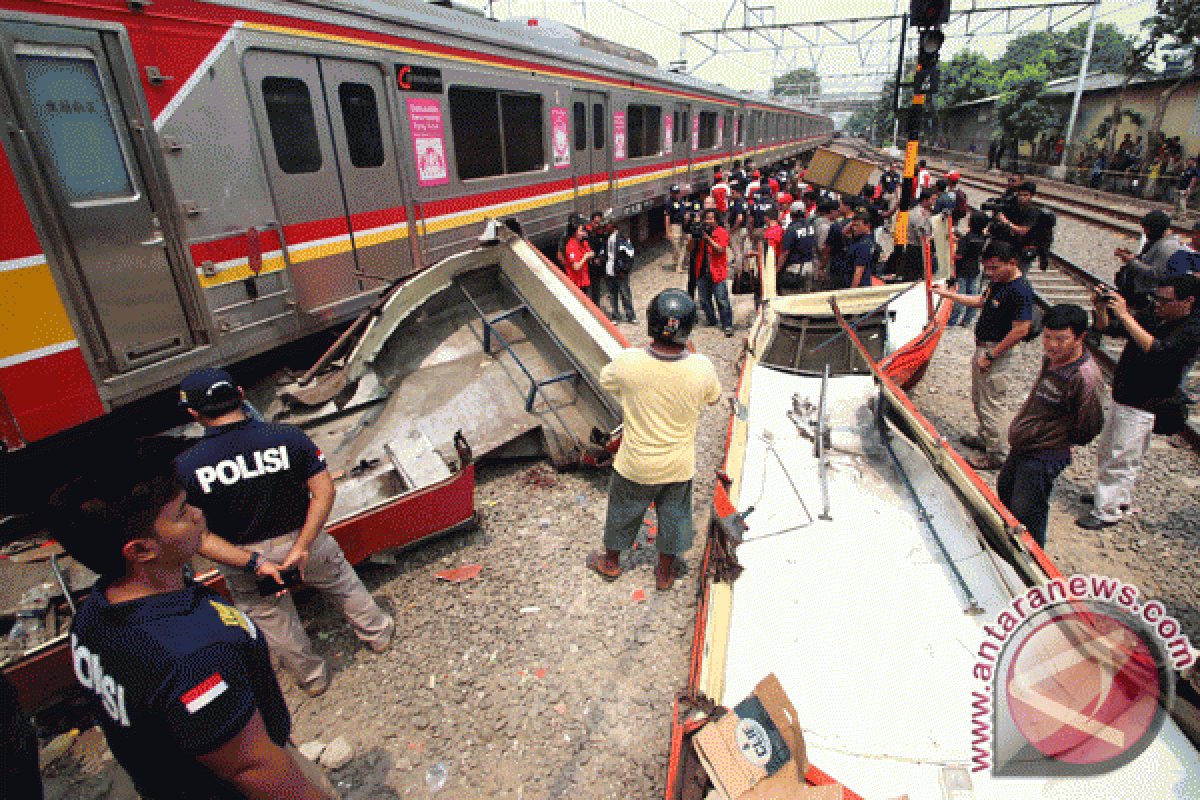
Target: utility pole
[
  {"x": 927, "y": 16},
  {"x": 1083, "y": 70}
]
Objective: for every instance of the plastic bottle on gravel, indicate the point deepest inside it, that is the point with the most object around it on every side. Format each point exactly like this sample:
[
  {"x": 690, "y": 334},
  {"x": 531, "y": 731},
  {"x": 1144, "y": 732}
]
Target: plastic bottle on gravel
[{"x": 435, "y": 777}]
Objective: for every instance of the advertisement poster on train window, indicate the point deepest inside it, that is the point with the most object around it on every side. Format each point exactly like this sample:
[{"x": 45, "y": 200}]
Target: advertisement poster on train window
[
  {"x": 618, "y": 135},
  {"x": 668, "y": 131},
  {"x": 429, "y": 142},
  {"x": 696, "y": 131},
  {"x": 562, "y": 140},
  {"x": 720, "y": 130}
]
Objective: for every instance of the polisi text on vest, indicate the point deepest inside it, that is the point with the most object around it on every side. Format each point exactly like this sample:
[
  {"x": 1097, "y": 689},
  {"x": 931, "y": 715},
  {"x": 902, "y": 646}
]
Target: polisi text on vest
[{"x": 230, "y": 471}]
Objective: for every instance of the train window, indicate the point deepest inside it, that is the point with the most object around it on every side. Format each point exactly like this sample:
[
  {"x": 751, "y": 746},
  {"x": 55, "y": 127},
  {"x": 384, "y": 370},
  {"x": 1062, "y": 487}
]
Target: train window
[
  {"x": 728, "y": 137},
  {"x": 676, "y": 131},
  {"x": 580, "y": 122},
  {"x": 708, "y": 130},
  {"x": 360, "y": 115},
  {"x": 523, "y": 132},
  {"x": 644, "y": 125},
  {"x": 475, "y": 117},
  {"x": 293, "y": 127},
  {"x": 686, "y": 132},
  {"x": 69, "y": 103},
  {"x": 598, "y": 121}
]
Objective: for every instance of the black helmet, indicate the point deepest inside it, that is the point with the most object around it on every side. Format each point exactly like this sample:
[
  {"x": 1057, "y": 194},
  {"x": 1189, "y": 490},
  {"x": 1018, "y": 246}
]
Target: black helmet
[{"x": 670, "y": 317}]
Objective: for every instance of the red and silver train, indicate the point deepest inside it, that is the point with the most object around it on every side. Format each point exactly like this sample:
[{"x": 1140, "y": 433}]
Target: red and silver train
[{"x": 190, "y": 182}]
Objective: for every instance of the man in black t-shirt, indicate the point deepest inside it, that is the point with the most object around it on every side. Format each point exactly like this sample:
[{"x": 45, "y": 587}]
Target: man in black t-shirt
[
  {"x": 676, "y": 216},
  {"x": 1145, "y": 388},
  {"x": 265, "y": 489},
  {"x": 190, "y": 704},
  {"x": 737, "y": 221},
  {"x": 1006, "y": 315}
]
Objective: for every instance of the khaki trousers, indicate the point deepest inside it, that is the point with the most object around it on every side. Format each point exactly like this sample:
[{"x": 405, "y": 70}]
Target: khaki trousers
[
  {"x": 329, "y": 572},
  {"x": 988, "y": 391},
  {"x": 675, "y": 237}
]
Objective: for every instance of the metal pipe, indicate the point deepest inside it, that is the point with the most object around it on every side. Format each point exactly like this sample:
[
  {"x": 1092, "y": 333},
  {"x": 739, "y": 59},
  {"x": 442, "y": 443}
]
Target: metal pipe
[
  {"x": 819, "y": 446},
  {"x": 1083, "y": 68}
]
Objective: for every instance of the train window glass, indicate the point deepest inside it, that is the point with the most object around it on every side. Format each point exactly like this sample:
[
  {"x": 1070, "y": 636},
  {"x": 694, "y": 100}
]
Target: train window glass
[
  {"x": 475, "y": 119},
  {"x": 687, "y": 127},
  {"x": 69, "y": 103},
  {"x": 728, "y": 128},
  {"x": 580, "y": 122},
  {"x": 708, "y": 130},
  {"x": 523, "y": 132},
  {"x": 676, "y": 131},
  {"x": 643, "y": 133},
  {"x": 598, "y": 121},
  {"x": 739, "y": 130},
  {"x": 293, "y": 127},
  {"x": 360, "y": 115}
]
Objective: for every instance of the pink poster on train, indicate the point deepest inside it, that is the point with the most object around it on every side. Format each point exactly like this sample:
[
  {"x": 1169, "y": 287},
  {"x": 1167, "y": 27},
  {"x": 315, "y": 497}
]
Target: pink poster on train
[
  {"x": 429, "y": 142},
  {"x": 720, "y": 131},
  {"x": 618, "y": 135},
  {"x": 695, "y": 131},
  {"x": 668, "y": 132},
  {"x": 562, "y": 139}
]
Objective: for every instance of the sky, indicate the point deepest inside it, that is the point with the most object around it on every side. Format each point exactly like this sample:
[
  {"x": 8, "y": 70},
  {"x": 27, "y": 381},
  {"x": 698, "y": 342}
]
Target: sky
[{"x": 654, "y": 26}]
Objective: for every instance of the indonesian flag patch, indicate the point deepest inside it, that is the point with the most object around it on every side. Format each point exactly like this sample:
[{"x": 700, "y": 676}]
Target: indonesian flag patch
[{"x": 201, "y": 695}]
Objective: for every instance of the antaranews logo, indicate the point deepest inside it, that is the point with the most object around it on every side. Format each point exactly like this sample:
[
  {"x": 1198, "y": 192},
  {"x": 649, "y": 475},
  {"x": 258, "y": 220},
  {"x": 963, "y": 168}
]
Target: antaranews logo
[{"x": 1076, "y": 678}]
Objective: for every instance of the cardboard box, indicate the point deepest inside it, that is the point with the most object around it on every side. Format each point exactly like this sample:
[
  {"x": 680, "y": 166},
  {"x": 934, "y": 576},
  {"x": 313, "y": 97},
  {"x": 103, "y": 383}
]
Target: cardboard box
[{"x": 756, "y": 752}]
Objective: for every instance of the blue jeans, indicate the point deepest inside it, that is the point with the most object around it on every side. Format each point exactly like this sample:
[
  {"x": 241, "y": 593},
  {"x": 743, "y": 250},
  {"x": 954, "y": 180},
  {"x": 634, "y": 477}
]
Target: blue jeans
[
  {"x": 965, "y": 314},
  {"x": 707, "y": 289},
  {"x": 1024, "y": 485}
]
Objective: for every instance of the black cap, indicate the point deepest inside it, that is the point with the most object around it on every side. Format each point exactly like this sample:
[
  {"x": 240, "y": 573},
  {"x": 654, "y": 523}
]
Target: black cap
[{"x": 209, "y": 391}]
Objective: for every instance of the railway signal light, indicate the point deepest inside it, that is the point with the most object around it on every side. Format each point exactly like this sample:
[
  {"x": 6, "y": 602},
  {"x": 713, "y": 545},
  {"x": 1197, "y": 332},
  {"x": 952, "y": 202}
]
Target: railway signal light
[
  {"x": 925, "y": 81},
  {"x": 929, "y": 13}
]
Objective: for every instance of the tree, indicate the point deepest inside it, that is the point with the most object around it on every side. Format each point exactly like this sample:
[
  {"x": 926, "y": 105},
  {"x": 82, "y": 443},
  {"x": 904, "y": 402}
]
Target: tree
[
  {"x": 1022, "y": 112},
  {"x": 1063, "y": 52},
  {"x": 1029, "y": 48},
  {"x": 965, "y": 77},
  {"x": 1178, "y": 23},
  {"x": 802, "y": 81}
]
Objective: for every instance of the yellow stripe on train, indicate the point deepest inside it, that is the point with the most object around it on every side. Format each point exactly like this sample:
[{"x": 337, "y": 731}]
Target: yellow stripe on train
[{"x": 32, "y": 311}]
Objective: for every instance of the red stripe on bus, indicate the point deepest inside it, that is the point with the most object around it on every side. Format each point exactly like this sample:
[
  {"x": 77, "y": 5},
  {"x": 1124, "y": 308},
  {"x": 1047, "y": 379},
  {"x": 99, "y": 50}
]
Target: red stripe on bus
[{"x": 50, "y": 394}]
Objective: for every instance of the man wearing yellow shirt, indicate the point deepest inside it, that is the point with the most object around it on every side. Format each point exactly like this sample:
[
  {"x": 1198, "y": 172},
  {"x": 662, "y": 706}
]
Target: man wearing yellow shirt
[{"x": 662, "y": 388}]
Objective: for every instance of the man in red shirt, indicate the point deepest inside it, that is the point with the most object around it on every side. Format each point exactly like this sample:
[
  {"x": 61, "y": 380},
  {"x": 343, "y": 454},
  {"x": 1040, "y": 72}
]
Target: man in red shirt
[
  {"x": 720, "y": 192},
  {"x": 710, "y": 266},
  {"x": 773, "y": 237}
]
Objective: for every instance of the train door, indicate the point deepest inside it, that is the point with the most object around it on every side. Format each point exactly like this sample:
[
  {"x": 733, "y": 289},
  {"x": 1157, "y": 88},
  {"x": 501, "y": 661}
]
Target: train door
[
  {"x": 88, "y": 159},
  {"x": 363, "y": 137},
  {"x": 593, "y": 162},
  {"x": 685, "y": 141},
  {"x": 327, "y": 141}
]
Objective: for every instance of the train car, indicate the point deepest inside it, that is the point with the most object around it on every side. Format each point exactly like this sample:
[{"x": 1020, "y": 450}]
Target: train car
[{"x": 186, "y": 183}]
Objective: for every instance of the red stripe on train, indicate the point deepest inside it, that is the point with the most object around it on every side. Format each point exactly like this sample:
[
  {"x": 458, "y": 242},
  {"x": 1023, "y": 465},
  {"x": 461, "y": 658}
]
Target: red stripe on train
[
  {"x": 451, "y": 205},
  {"x": 19, "y": 239},
  {"x": 50, "y": 394},
  {"x": 366, "y": 220},
  {"x": 232, "y": 248}
]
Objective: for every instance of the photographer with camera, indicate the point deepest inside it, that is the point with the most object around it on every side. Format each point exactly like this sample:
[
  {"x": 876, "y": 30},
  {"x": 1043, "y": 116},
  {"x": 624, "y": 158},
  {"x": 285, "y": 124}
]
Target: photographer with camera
[
  {"x": 266, "y": 494},
  {"x": 1157, "y": 260},
  {"x": 1145, "y": 387},
  {"x": 710, "y": 268}
]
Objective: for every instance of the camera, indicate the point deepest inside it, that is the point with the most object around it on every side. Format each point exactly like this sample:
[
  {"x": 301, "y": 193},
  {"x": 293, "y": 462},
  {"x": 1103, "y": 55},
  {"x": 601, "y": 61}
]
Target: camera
[
  {"x": 696, "y": 227},
  {"x": 995, "y": 204},
  {"x": 267, "y": 585}
]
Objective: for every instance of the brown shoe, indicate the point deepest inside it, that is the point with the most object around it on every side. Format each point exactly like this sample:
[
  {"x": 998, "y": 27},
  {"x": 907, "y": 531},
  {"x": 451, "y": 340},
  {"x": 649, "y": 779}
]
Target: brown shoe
[
  {"x": 972, "y": 441},
  {"x": 316, "y": 688},
  {"x": 604, "y": 566},
  {"x": 987, "y": 462},
  {"x": 664, "y": 573}
]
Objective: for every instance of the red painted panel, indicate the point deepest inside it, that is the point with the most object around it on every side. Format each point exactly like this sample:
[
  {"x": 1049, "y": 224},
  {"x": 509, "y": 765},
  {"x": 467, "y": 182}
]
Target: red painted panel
[
  {"x": 410, "y": 519},
  {"x": 19, "y": 239},
  {"x": 377, "y": 219},
  {"x": 309, "y": 231},
  {"x": 50, "y": 394}
]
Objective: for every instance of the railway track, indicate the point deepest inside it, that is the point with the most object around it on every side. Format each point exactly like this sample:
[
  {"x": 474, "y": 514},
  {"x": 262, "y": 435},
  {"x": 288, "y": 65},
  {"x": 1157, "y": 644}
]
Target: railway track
[{"x": 1068, "y": 282}]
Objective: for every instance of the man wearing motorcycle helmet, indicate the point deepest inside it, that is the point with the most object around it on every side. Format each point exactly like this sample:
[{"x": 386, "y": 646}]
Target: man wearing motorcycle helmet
[{"x": 662, "y": 389}]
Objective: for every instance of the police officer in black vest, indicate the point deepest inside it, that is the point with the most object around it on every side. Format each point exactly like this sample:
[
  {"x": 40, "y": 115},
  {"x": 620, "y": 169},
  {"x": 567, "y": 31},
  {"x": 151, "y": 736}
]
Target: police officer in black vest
[
  {"x": 265, "y": 489},
  {"x": 799, "y": 250}
]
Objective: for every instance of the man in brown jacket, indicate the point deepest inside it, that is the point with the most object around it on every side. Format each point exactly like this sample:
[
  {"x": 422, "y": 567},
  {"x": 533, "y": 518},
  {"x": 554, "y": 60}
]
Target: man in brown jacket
[{"x": 1064, "y": 408}]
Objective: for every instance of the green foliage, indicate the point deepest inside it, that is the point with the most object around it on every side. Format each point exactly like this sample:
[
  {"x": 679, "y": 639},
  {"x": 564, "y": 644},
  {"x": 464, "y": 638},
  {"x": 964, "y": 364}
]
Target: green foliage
[
  {"x": 1020, "y": 110},
  {"x": 802, "y": 81},
  {"x": 1062, "y": 52},
  {"x": 965, "y": 77}
]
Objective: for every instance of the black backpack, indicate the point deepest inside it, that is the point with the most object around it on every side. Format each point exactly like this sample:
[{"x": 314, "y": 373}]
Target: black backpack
[
  {"x": 622, "y": 252},
  {"x": 763, "y": 203}
]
